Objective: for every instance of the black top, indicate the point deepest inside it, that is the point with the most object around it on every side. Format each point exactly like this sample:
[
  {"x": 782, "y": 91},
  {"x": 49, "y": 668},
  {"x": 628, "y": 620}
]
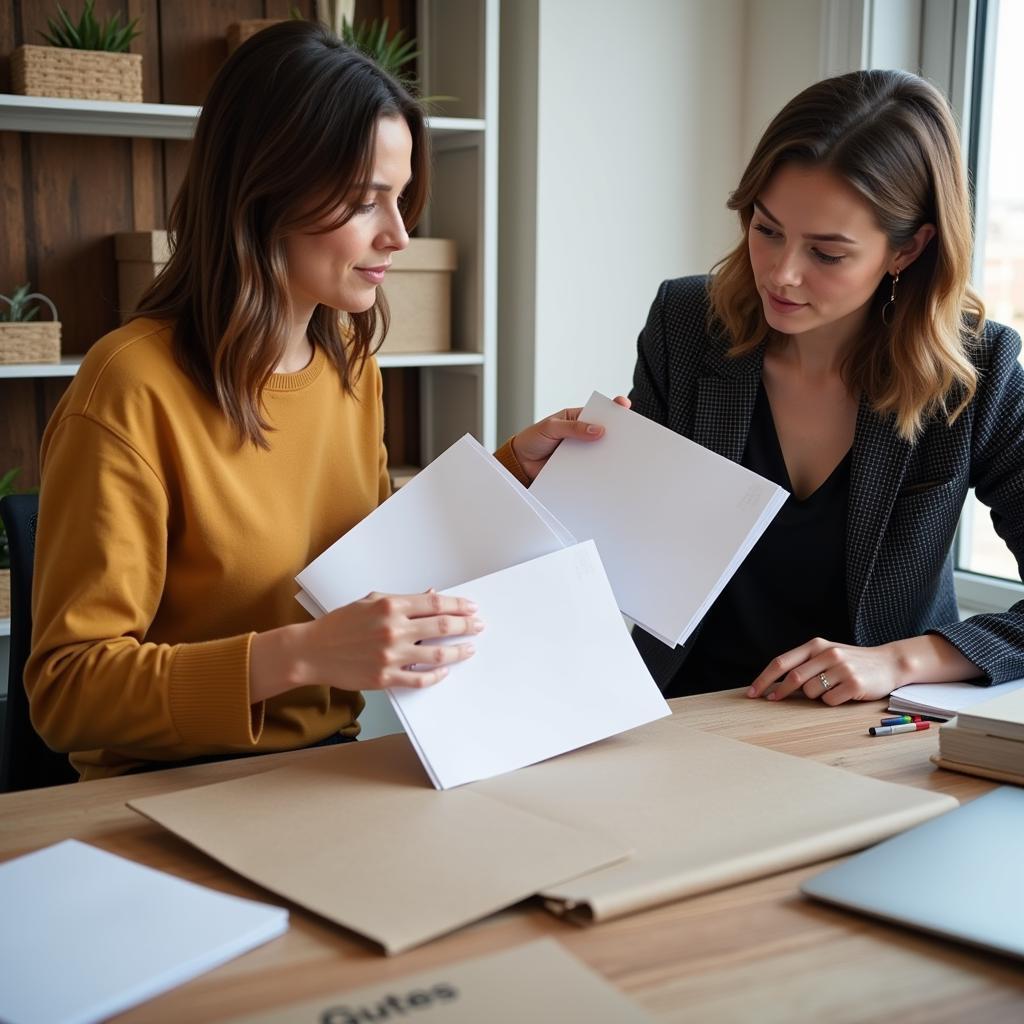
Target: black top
[{"x": 790, "y": 588}]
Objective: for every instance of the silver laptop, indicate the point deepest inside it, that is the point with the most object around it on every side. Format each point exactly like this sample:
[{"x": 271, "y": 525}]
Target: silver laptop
[{"x": 959, "y": 875}]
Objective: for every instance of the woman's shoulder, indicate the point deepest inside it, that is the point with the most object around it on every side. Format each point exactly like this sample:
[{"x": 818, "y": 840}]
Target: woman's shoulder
[
  {"x": 996, "y": 347},
  {"x": 126, "y": 358},
  {"x": 685, "y": 298},
  {"x": 129, "y": 383}
]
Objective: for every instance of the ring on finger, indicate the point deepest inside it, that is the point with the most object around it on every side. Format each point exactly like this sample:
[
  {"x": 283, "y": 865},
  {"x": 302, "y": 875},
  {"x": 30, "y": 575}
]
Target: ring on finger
[{"x": 825, "y": 684}]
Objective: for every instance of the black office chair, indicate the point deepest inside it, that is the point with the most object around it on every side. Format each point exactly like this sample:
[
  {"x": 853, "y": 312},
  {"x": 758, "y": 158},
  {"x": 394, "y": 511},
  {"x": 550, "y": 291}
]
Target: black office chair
[{"x": 26, "y": 762}]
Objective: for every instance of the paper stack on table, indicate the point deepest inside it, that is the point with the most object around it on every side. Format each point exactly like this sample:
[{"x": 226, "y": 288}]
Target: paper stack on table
[
  {"x": 85, "y": 934},
  {"x": 988, "y": 738}
]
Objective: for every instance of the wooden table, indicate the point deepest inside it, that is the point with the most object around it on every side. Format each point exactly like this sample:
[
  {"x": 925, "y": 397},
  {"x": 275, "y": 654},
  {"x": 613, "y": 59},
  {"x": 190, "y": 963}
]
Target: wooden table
[{"x": 753, "y": 952}]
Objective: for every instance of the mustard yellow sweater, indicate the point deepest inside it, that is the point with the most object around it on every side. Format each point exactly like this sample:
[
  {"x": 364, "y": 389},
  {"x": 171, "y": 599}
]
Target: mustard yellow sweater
[{"x": 163, "y": 543}]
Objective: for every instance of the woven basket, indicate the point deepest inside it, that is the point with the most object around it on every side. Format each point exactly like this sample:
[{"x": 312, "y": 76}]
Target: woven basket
[
  {"x": 5, "y": 593},
  {"x": 77, "y": 74},
  {"x": 239, "y": 31},
  {"x": 30, "y": 343}
]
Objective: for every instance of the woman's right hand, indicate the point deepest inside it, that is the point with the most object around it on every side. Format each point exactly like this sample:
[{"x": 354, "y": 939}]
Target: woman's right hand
[{"x": 370, "y": 644}]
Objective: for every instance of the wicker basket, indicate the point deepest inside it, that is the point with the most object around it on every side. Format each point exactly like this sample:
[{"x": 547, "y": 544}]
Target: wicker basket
[
  {"x": 5, "y": 593},
  {"x": 30, "y": 343},
  {"x": 78, "y": 74},
  {"x": 239, "y": 31}
]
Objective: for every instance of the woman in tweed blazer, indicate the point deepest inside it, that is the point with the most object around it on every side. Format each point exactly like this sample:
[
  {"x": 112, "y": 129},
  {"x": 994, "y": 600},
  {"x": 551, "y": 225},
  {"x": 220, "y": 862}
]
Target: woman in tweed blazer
[{"x": 846, "y": 312}]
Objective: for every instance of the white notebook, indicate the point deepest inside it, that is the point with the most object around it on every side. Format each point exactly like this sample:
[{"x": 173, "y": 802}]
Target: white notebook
[
  {"x": 945, "y": 700},
  {"x": 672, "y": 520},
  {"x": 85, "y": 934},
  {"x": 555, "y": 669}
]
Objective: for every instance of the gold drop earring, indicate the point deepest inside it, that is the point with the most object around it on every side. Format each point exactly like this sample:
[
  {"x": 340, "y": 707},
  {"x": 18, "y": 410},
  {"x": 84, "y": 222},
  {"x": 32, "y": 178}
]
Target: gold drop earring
[{"x": 887, "y": 309}]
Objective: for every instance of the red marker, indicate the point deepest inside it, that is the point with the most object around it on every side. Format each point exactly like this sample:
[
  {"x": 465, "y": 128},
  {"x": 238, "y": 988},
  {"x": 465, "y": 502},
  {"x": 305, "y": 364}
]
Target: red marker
[{"x": 888, "y": 730}]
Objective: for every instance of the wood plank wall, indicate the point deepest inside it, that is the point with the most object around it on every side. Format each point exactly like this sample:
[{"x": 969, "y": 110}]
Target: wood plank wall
[{"x": 63, "y": 197}]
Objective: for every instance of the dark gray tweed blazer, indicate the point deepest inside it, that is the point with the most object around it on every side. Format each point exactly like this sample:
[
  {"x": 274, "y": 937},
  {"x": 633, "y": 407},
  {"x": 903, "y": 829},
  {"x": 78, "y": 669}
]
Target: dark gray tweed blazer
[{"x": 905, "y": 499}]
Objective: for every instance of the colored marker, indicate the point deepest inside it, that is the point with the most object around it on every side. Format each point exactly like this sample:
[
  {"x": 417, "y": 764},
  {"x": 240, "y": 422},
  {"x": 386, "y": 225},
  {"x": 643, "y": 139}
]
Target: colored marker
[
  {"x": 888, "y": 730},
  {"x": 901, "y": 720}
]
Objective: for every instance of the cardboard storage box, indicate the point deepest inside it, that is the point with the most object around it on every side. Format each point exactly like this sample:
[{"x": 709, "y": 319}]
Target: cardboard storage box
[
  {"x": 140, "y": 255},
  {"x": 419, "y": 292},
  {"x": 418, "y": 287}
]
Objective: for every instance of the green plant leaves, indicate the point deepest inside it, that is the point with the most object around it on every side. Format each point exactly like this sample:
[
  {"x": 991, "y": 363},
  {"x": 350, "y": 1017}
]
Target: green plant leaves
[
  {"x": 90, "y": 33},
  {"x": 19, "y": 311}
]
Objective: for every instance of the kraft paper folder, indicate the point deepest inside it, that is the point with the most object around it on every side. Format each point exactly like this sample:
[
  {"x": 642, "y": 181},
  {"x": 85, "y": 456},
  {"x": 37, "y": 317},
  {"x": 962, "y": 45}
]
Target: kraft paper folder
[
  {"x": 366, "y": 842},
  {"x": 355, "y": 835},
  {"x": 540, "y": 982}
]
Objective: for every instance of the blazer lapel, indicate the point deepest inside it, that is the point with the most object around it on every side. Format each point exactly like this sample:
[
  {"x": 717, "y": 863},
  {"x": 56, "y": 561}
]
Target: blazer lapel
[
  {"x": 726, "y": 393},
  {"x": 879, "y": 461}
]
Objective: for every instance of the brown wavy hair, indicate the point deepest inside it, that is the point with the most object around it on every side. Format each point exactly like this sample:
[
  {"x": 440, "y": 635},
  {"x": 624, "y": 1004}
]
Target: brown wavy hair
[
  {"x": 285, "y": 138},
  {"x": 891, "y": 136}
]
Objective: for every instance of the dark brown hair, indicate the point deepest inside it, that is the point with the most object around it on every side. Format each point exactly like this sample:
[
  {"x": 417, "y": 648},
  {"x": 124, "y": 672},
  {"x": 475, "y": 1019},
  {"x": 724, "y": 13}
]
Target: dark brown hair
[
  {"x": 891, "y": 136},
  {"x": 286, "y": 137}
]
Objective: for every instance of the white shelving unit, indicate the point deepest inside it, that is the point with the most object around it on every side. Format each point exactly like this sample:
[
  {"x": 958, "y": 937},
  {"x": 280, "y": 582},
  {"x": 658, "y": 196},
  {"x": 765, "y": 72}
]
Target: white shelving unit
[
  {"x": 68, "y": 367},
  {"x": 139, "y": 120},
  {"x": 459, "y": 42}
]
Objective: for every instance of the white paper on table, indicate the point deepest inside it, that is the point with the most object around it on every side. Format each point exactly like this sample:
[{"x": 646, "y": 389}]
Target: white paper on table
[
  {"x": 461, "y": 517},
  {"x": 85, "y": 934},
  {"x": 554, "y": 670},
  {"x": 945, "y": 700},
  {"x": 672, "y": 520}
]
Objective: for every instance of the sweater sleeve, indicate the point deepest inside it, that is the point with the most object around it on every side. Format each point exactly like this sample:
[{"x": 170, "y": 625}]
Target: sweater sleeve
[
  {"x": 93, "y": 680},
  {"x": 507, "y": 457}
]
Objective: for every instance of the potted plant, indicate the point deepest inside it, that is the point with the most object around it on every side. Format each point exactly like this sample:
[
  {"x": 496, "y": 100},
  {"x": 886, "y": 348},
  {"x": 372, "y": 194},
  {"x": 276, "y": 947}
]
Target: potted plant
[
  {"x": 87, "y": 59},
  {"x": 23, "y": 339},
  {"x": 6, "y": 487},
  {"x": 371, "y": 37}
]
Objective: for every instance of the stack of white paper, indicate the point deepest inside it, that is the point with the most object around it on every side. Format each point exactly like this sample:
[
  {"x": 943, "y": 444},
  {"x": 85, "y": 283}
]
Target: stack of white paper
[
  {"x": 672, "y": 520},
  {"x": 554, "y": 670},
  {"x": 462, "y": 517},
  {"x": 85, "y": 934}
]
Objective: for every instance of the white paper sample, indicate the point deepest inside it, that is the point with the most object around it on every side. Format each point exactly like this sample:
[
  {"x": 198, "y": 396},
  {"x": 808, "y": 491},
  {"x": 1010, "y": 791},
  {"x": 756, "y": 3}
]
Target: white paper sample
[
  {"x": 85, "y": 934},
  {"x": 461, "y": 517},
  {"x": 555, "y": 669},
  {"x": 672, "y": 520}
]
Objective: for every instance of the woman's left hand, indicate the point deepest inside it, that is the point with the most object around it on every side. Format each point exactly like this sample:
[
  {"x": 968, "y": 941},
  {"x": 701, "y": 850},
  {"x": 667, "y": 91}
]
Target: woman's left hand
[
  {"x": 534, "y": 445},
  {"x": 834, "y": 672}
]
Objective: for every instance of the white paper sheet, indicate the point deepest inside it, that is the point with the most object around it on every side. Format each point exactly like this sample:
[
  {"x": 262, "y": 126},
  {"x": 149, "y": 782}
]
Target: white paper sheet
[
  {"x": 555, "y": 669},
  {"x": 85, "y": 934},
  {"x": 945, "y": 700},
  {"x": 461, "y": 517},
  {"x": 672, "y": 520}
]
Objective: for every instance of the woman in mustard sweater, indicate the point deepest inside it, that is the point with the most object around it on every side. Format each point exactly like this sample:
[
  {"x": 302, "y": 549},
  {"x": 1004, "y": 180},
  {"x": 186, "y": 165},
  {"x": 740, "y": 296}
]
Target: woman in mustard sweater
[{"x": 232, "y": 430}]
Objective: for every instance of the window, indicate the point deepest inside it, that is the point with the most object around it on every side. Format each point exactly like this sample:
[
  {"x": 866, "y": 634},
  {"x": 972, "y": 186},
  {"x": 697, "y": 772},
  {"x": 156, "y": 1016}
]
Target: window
[{"x": 996, "y": 155}]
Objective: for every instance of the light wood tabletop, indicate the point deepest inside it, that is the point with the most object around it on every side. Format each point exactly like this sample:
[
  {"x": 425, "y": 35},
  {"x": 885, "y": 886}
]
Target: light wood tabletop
[{"x": 757, "y": 951}]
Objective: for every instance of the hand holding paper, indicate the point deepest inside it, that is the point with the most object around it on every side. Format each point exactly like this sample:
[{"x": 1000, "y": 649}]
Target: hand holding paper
[
  {"x": 535, "y": 445},
  {"x": 371, "y": 644}
]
